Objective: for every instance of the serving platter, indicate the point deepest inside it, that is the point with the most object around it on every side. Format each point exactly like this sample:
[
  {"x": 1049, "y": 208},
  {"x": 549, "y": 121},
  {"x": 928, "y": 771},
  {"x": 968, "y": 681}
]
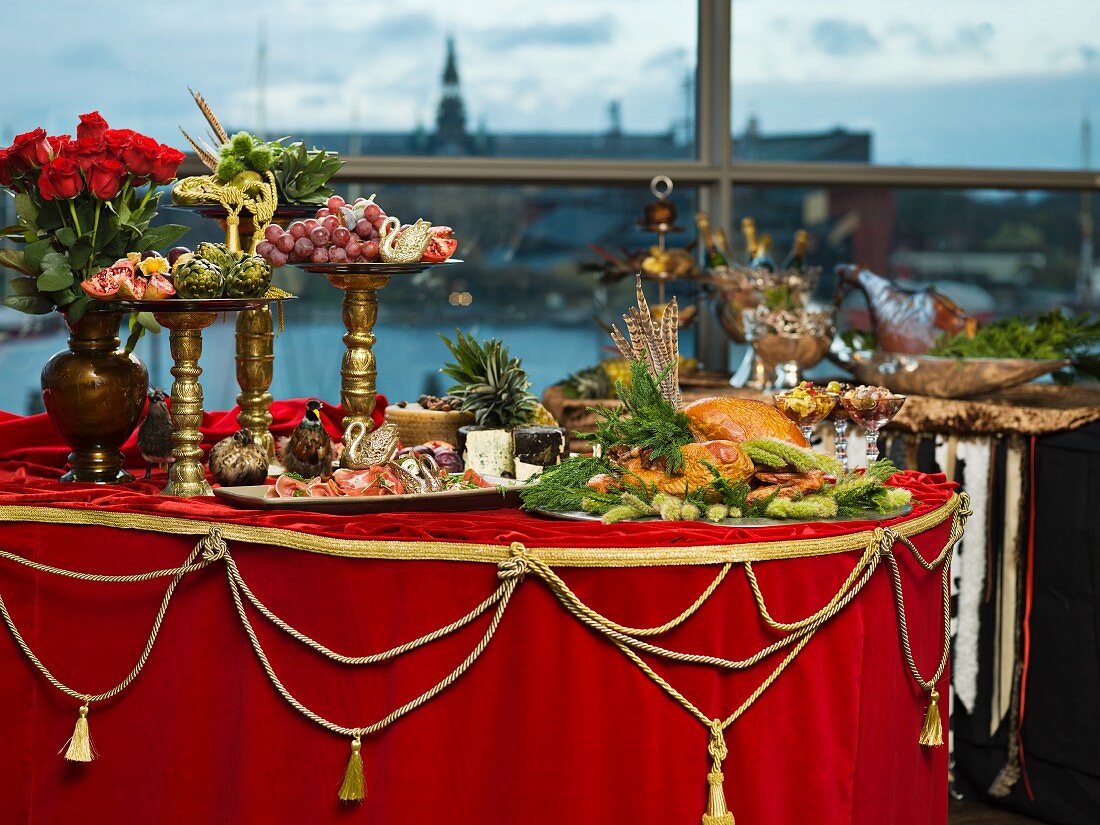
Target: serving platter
[
  {"x": 942, "y": 377},
  {"x": 201, "y": 304},
  {"x": 870, "y": 515},
  {"x": 287, "y": 211},
  {"x": 505, "y": 494},
  {"x": 375, "y": 268}
]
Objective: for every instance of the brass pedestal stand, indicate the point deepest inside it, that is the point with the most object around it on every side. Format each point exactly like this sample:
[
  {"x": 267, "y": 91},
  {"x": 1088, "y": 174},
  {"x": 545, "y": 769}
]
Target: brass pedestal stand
[
  {"x": 187, "y": 477},
  {"x": 358, "y": 370},
  {"x": 255, "y": 365}
]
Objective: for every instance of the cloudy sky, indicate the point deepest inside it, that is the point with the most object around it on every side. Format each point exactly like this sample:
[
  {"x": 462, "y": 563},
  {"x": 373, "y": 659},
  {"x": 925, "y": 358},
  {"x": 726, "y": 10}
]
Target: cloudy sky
[{"x": 982, "y": 82}]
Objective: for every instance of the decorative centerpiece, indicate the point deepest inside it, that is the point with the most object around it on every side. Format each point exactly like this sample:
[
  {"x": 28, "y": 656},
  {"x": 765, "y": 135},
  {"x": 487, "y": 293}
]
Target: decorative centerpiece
[
  {"x": 358, "y": 248},
  {"x": 82, "y": 204},
  {"x": 253, "y": 184},
  {"x": 789, "y": 341},
  {"x": 717, "y": 459}
]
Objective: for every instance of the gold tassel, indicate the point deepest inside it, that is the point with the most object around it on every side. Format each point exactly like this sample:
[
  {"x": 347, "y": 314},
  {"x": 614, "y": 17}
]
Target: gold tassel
[
  {"x": 80, "y": 743},
  {"x": 931, "y": 734},
  {"x": 717, "y": 812},
  {"x": 354, "y": 788}
]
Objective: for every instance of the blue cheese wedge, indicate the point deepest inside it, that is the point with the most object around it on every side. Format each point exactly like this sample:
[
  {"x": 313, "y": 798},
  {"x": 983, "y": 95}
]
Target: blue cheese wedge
[{"x": 490, "y": 452}]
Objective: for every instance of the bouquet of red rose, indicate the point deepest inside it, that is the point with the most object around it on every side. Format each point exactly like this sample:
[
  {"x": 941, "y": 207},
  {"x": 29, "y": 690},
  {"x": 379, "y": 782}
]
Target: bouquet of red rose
[{"x": 82, "y": 203}]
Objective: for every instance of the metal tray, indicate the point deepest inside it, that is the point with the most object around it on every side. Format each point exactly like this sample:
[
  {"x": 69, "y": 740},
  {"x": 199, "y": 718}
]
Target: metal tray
[
  {"x": 376, "y": 268},
  {"x": 451, "y": 501},
  {"x": 870, "y": 515}
]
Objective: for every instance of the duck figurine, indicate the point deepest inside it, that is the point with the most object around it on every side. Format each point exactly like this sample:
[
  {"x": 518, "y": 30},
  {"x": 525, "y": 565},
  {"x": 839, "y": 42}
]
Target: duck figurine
[
  {"x": 308, "y": 450},
  {"x": 403, "y": 246},
  {"x": 238, "y": 461},
  {"x": 154, "y": 437}
]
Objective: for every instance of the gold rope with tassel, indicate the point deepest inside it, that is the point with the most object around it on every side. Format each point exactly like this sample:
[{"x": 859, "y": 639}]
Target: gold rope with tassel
[
  {"x": 80, "y": 743},
  {"x": 931, "y": 734},
  {"x": 354, "y": 787},
  {"x": 717, "y": 812}
]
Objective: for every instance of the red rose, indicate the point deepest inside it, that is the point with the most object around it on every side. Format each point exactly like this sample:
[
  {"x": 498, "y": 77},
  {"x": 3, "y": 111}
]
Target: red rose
[
  {"x": 105, "y": 178},
  {"x": 32, "y": 148},
  {"x": 59, "y": 144},
  {"x": 117, "y": 140},
  {"x": 91, "y": 126},
  {"x": 86, "y": 150},
  {"x": 60, "y": 178},
  {"x": 166, "y": 163},
  {"x": 7, "y": 172},
  {"x": 140, "y": 155}
]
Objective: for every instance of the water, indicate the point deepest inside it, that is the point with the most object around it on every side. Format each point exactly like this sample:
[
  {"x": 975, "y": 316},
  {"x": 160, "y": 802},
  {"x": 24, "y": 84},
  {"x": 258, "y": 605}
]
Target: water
[{"x": 307, "y": 359}]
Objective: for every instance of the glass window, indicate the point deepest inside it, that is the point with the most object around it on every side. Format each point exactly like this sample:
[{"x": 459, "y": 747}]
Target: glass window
[
  {"x": 996, "y": 253},
  {"x": 523, "y": 279},
  {"x": 571, "y": 78},
  {"x": 940, "y": 83}
]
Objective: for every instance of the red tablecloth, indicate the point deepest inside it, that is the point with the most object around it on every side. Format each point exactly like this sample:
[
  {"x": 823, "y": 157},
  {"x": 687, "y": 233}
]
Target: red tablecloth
[{"x": 552, "y": 724}]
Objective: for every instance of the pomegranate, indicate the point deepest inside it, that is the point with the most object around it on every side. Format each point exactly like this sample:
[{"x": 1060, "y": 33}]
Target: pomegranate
[
  {"x": 132, "y": 288},
  {"x": 159, "y": 287},
  {"x": 442, "y": 245},
  {"x": 104, "y": 285}
]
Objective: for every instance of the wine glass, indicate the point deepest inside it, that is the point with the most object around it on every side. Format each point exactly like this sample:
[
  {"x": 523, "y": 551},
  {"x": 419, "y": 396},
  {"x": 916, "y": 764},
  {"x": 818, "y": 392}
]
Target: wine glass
[
  {"x": 840, "y": 420},
  {"x": 871, "y": 408},
  {"x": 806, "y": 406}
]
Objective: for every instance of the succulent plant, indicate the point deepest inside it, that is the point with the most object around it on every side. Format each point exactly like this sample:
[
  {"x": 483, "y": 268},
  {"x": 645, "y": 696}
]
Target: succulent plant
[
  {"x": 592, "y": 382},
  {"x": 302, "y": 175}
]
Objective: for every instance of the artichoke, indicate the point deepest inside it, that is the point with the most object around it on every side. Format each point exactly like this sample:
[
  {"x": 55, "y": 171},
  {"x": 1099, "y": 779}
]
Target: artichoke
[
  {"x": 198, "y": 278},
  {"x": 248, "y": 277},
  {"x": 216, "y": 253}
]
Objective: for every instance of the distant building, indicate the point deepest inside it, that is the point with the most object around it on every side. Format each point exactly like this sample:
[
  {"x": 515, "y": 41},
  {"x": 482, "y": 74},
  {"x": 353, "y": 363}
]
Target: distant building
[{"x": 452, "y": 137}]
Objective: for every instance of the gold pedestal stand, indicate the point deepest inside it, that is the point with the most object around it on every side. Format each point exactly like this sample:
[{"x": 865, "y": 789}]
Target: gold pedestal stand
[
  {"x": 255, "y": 364},
  {"x": 358, "y": 371},
  {"x": 187, "y": 477}
]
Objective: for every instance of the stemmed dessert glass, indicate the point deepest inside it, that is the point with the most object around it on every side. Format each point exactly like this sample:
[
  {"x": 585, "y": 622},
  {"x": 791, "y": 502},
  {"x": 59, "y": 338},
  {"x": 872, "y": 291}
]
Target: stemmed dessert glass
[
  {"x": 806, "y": 406},
  {"x": 871, "y": 408},
  {"x": 840, "y": 420}
]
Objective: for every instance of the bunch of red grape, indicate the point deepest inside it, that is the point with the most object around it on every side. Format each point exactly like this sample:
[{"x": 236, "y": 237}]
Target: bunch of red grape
[{"x": 340, "y": 233}]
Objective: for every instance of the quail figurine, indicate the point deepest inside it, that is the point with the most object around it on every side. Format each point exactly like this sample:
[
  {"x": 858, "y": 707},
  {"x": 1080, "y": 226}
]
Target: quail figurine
[
  {"x": 308, "y": 450},
  {"x": 238, "y": 460},
  {"x": 154, "y": 438}
]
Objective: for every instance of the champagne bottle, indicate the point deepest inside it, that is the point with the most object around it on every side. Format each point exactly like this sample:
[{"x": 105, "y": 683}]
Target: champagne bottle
[
  {"x": 797, "y": 259},
  {"x": 722, "y": 243},
  {"x": 763, "y": 258},
  {"x": 713, "y": 258},
  {"x": 748, "y": 229}
]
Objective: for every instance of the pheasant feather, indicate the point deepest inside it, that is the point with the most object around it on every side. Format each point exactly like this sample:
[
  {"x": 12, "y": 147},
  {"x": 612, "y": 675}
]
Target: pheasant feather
[
  {"x": 208, "y": 159},
  {"x": 655, "y": 342},
  {"x": 208, "y": 113}
]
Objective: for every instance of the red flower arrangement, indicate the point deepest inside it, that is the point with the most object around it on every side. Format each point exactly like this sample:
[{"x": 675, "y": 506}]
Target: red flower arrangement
[{"x": 83, "y": 203}]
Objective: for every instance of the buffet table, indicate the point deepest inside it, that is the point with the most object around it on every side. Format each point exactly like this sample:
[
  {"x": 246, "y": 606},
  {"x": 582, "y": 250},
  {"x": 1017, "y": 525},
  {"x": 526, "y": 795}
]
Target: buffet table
[{"x": 551, "y": 703}]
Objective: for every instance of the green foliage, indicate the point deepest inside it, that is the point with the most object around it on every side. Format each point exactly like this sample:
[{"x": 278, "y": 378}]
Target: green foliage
[
  {"x": 302, "y": 175},
  {"x": 776, "y": 453},
  {"x": 1052, "y": 335},
  {"x": 228, "y": 168},
  {"x": 646, "y": 420},
  {"x": 561, "y": 488},
  {"x": 816, "y": 506},
  {"x": 491, "y": 384}
]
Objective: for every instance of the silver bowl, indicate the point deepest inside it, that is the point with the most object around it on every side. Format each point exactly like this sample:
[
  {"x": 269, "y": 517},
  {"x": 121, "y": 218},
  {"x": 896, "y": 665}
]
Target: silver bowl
[
  {"x": 740, "y": 289},
  {"x": 790, "y": 341},
  {"x": 946, "y": 377}
]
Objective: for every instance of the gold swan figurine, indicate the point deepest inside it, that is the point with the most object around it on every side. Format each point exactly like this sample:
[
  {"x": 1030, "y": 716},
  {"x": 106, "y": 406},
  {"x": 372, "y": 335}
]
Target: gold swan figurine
[
  {"x": 406, "y": 247},
  {"x": 362, "y": 450}
]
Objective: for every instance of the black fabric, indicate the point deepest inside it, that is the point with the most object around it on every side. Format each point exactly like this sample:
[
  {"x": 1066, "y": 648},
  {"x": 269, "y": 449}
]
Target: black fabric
[{"x": 1061, "y": 729}]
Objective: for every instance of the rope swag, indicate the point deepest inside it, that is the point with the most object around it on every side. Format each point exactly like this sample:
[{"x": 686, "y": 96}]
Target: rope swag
[{"x": 511, "y": 570}]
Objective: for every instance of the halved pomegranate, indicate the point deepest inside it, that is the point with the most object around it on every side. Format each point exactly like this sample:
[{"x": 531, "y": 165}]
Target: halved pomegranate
[
  {"x": 132, "y": 288},
  {"x": 104, "y": 285},
  {"x": 159, "y": 287},
  {"x": 442, "y": 245}
]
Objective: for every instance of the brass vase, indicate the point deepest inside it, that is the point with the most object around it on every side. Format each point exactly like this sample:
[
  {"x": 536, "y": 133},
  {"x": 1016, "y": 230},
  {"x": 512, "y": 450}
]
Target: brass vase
[{"x": 94, "y": 393}]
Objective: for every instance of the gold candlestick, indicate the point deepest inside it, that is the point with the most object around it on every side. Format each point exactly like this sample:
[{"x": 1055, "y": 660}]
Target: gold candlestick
[
  {"x": 187, "y": 477},
  {"x": 255, "y": 363},
  {"x": 358, "y": 371}
]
